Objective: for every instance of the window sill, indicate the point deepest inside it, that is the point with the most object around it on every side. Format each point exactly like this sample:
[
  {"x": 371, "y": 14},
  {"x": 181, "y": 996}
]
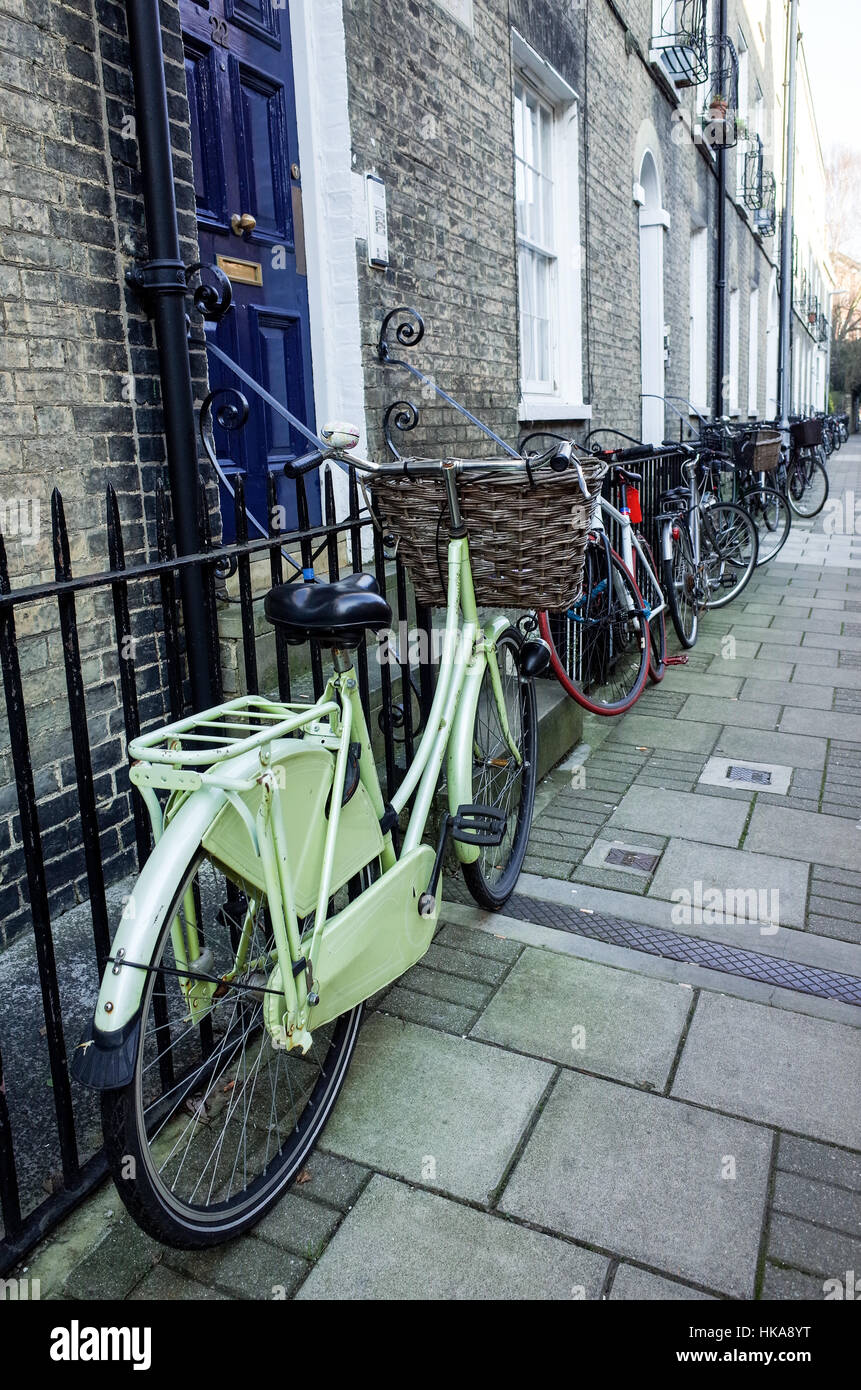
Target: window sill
[{"x": 547, "y": 409}]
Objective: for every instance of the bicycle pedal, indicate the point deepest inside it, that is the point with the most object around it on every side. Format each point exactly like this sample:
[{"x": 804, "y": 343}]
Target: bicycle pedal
[
  {"x": 478, "y": 825},
  {"x": 680, "y": 660}
]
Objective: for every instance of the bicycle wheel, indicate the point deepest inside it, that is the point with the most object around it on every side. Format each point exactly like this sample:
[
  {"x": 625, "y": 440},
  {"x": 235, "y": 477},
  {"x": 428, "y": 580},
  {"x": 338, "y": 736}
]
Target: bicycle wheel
[
  {"x": 216, "y": 1121},
  {"x": 498, "y": 780},
  {"x": 772, "y": 517},
  {"x": 599, "y": 649},
  {"x": 806, "y": 487},
  {"x": 654, "y": 597},
  {"x": 680, "y": 584},
  {"x": 729, "y": 547}
]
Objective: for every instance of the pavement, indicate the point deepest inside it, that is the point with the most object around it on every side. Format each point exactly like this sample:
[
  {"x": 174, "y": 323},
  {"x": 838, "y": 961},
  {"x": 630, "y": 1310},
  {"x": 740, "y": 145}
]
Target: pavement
[{"x": 643, "y": 1081}]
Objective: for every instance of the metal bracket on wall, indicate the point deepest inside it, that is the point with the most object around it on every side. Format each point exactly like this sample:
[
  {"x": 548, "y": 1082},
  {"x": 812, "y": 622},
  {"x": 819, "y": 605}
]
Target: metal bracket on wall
[
  {"x": 149, "y": 279},
  {"x": 404, "y": 414}
]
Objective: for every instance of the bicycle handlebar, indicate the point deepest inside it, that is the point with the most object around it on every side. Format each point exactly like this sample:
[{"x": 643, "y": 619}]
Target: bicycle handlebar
[{"x": 560, "y": 458}]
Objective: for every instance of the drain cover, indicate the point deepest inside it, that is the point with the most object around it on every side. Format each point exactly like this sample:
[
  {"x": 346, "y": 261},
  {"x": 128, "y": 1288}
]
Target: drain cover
[
  {"x": 757, "y": 775},
  {"x": 631, "y": 859},
  {"x": 714, "y": 955}
]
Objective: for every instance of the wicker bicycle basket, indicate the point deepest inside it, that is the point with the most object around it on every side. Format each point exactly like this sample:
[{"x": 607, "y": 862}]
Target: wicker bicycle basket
[
  {"x": 806, "y": 434},
  {"x": 765, "y": 454},
  {"x": 527, "y": 539}
]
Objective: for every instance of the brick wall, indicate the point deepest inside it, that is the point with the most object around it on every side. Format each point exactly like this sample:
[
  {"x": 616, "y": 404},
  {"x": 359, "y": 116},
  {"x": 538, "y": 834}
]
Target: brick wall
[
  {"x": 430, "y": 107},
  {"x": 79, "y": 399}
]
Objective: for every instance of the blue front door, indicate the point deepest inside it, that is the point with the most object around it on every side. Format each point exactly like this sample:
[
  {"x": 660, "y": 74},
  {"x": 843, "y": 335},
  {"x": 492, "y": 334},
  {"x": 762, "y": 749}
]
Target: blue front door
[{"x": 239, "y": 72}]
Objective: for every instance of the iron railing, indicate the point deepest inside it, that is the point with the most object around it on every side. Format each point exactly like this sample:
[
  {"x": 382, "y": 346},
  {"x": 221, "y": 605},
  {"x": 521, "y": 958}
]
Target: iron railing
[
  {"x": 47, "y": 1129},
  {"x": 765, "y": 216},
  {"x": 721, "y": 122},
  {"x": 752, "y": 186},
  {"x": 680, "y": 41}
]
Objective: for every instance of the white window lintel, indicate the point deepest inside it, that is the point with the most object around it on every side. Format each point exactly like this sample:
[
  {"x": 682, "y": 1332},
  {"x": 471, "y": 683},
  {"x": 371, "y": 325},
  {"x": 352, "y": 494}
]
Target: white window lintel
[{"x": 542, "y": 75}]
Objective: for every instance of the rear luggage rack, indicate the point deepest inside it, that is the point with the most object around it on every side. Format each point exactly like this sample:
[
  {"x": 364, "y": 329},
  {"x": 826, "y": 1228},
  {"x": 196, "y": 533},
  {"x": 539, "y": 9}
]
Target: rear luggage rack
[{"x": 226, "y": 731}]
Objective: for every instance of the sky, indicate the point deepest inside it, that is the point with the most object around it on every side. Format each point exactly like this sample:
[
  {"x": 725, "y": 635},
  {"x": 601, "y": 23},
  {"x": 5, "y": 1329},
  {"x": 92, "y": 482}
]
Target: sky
[{"x": 831, "y": 37}]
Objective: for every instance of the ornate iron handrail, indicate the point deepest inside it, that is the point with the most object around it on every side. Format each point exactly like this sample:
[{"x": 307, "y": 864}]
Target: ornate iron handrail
[{"x": 404, "y": 415}]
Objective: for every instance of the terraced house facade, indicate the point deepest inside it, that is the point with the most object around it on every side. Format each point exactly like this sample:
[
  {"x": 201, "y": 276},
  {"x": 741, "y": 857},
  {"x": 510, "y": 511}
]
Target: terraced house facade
[{"x": 548, "y": 183}]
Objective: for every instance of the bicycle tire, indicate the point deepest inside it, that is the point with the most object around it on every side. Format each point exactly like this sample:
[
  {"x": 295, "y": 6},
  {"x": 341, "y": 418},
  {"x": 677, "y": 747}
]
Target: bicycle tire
[
  {"x": 680, "y": 584},
  {"x": 132, "y": 1116},
  {"x": 771, "y": 514},
  {"x": 657, "y": 625},
  {"x": 491, "y": 882},
  {"x": 734, "y": 547},
  {"x": 579, "y": 661},
  {"x": 805, "y": 494}
]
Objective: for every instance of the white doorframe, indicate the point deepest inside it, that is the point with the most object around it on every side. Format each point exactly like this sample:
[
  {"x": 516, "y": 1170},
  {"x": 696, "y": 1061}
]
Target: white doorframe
[
  {"x": 772, "y": 341},
  {"x": 323, "y": 116},
  {"x": 653, "y": 223}
]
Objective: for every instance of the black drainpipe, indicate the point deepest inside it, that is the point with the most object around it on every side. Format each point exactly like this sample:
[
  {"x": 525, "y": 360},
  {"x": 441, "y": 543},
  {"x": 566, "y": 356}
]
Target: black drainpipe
[
  {"x": 720, "y": 283},
  {"x": 161, "y": 280}
]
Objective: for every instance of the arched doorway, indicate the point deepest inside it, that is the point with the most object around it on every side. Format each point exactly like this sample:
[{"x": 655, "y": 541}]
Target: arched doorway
[
  {"x": 772, "y": 343},
  {"x": 653, "y": 221}
]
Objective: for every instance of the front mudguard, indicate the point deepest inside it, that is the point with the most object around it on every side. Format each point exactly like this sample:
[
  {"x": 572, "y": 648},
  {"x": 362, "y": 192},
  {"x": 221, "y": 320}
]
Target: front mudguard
[
  {"x": 459, "y": 756},
  {"x": 104, "y": 1059}
]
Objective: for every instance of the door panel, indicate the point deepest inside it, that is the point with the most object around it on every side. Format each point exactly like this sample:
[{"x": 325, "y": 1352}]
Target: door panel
[
  {"x": 246, "y": 165},
  {"x": 201, "y": 78},
  {"x": 263, "y": 154}
]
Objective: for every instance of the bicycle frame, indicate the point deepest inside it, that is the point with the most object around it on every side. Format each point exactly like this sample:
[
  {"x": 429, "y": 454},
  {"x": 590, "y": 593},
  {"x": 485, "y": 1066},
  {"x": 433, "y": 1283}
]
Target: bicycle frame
[
  {"x": 630, "y": 545},
  {"x": 235, "y": 800}
]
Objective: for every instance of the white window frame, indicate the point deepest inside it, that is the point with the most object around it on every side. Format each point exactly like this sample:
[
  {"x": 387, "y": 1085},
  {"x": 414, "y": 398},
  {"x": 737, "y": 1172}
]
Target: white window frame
[
  {"x": 699, "y": 308},
  {"x": 564, "y": 399},
  {"x": 753, "y": 353}
]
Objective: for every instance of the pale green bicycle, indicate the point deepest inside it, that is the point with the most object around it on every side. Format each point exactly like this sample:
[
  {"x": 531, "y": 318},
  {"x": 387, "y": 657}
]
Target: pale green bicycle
[{"x": 275, "y": 902}]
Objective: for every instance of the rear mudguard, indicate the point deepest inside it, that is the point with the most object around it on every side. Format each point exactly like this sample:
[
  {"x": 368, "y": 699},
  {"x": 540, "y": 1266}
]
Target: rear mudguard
[
  {"x": 364, "y": 947},
  {"x": 105, "y": 1057}
]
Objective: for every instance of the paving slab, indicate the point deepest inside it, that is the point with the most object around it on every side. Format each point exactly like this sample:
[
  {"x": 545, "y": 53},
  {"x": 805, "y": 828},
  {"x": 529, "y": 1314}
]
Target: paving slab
[
  {"x": 715, "y": 643},
  {"x": 400, "y": 1243},
  {"x": 633, "y": 1283},
  {"x": 719, "y": 820},
  {"x": 839, "y": 724},
  {"x": 742, "y": 667},
  {"x": 722, "y": 680},
  {"x": 737, "y": 872},
  {"x": 843, "y": 677},
  {"x": 796, "y": 750},
  {"x": 434, "y": 1108},
  {"x": 775, "y": 1066},
  {"x": 641, "y": 1175},
  {"x": 748, "y": 715},
  {"x": 816, "y": 659},
  {"x": 789, "y": 693},
  {"x": 814, "y": 1249},
  {"x": 649, "y": 731},
  {"x": 245, "y": 1268},
  {"x": 612, "y": 1022},
  {"x": 836, "y": 641},
  {"x": 833, "y": 840},
  {"x": 785, "y": 1284},
  {"x": 773, "y": 636}
]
